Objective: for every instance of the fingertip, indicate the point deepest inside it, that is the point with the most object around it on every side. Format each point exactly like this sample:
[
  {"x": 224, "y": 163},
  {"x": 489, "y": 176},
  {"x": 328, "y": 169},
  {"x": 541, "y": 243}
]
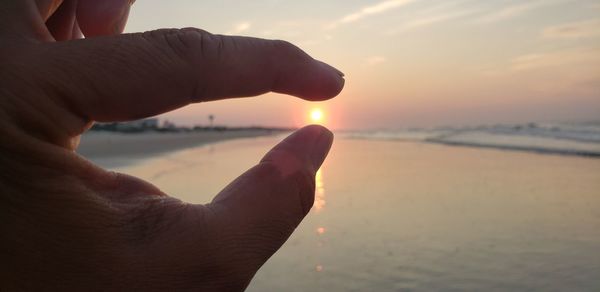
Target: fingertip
[
  {"x": 322, "y": 144},
  {"x": 305, "y": 150},
  {"x": 300, "y": 75},
  {"x": 334, "y": 69},
  {"x": 334, "y": 80},
  {"x": 325, "y": 83}
]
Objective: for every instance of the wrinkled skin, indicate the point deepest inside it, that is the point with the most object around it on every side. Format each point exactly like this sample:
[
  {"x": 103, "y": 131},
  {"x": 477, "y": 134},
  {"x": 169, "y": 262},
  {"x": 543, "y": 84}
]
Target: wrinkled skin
[{"x": 67, "y": 224}]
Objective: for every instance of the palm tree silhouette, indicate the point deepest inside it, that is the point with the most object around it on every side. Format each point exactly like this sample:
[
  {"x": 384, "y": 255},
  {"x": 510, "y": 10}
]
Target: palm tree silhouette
[{"x": 211, "y": 119}]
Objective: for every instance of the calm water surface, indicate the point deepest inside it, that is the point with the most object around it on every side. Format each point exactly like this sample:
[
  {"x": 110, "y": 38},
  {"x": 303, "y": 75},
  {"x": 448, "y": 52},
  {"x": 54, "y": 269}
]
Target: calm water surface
[{"x": 404, "y": 216}]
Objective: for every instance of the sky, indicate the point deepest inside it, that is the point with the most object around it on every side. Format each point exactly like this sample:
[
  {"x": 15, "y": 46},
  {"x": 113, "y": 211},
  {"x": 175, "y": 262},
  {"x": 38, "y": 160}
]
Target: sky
[{"x": 411, "y": 63}]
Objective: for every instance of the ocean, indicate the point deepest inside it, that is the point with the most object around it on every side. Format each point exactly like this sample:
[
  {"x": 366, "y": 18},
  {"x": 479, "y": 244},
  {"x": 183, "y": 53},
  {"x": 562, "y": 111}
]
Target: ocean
[
  {"x": 497, "y": 208},
  {"x": 554, "y": 138}
]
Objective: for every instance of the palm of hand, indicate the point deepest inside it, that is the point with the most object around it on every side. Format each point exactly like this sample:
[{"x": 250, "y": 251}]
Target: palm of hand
[{"x": 68, "y": 224}]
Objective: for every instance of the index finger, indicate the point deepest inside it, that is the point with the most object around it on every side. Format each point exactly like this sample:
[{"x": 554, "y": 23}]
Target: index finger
[{"x": 132, "y": 76}]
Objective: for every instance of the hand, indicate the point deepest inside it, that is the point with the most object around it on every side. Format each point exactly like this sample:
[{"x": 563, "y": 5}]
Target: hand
[{"x": 67, "y": 224}]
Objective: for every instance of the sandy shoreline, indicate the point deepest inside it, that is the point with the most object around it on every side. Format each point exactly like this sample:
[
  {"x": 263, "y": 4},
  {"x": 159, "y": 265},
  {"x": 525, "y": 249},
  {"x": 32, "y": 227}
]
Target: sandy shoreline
[{"x": 110, "y": 149}]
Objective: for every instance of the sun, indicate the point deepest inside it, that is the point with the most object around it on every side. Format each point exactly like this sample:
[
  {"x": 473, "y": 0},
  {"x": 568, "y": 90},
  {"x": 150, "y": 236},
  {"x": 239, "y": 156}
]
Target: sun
[{"x": 316, "y": 115}]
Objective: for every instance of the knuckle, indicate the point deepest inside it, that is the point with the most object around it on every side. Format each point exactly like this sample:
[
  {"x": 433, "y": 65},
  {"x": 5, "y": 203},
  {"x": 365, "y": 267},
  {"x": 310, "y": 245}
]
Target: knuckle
[
  {"x": 193, "y": 43},
  {"x": 184, "y": 43},
  {"x": 197, "y": 52},
  {"x": 192, "y": 37},
  {"x": 285, "y": 50},
  {"x": 282, "y": 46}
]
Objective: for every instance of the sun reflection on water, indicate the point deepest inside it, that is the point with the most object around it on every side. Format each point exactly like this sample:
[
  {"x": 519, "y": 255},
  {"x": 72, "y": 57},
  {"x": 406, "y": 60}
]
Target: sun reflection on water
[
  {"x": 318, "y": 208},
  {"x": 320, "y": 230},
  {"x": 319, "y": 191}
]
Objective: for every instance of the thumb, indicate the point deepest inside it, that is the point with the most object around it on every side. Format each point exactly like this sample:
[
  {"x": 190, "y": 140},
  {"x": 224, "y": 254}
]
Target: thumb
[
  {"x": 261, "y": 208},
  {"x": 99, "y": 18},
  {"x": 296, "y": 159}
]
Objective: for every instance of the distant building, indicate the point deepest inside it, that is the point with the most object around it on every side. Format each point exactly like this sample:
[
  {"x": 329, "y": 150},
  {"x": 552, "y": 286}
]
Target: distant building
[
  {"x": 150, "y": 124},
  {"x": 138, "y": 125},
  {"x": 167, "y": 125}
]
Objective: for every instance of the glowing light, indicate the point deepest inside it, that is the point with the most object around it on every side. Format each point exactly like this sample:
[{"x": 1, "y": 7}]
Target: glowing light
[
  {"x": 321, "y": 230},
  {"x": 316, "y": 115},
  {"x": 319, "y": 191}
]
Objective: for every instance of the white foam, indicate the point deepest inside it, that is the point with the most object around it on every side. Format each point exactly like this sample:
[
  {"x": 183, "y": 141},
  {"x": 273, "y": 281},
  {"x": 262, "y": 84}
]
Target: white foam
[{"x": 573, "y": 139}]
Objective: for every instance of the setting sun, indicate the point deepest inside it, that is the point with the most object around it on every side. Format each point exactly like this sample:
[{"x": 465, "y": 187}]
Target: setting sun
[{"x": 316, "y": 115}]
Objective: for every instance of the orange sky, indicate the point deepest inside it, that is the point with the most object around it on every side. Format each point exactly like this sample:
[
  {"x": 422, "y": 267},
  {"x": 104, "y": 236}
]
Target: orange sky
[{"x": 412, "y": 62}]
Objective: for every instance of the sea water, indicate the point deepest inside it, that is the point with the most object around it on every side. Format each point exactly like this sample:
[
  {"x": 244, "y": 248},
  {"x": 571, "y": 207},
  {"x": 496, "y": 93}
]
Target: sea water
[{"x": 416, "y": 216}]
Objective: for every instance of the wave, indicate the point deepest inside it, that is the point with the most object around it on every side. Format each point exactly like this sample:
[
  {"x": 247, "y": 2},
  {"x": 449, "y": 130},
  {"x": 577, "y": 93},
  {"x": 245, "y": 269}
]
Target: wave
[{"x": 567, "y": 139}]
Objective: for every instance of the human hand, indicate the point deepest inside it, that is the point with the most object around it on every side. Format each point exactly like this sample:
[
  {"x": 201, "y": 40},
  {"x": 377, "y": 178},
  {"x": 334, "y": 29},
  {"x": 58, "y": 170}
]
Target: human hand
[{"x": 67, "y": 224}]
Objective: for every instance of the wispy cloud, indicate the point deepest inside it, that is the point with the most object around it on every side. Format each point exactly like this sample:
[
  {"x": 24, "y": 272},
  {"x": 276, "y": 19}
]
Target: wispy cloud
[
  {"x": 430, "y": 15},
  {"x": 512, "y": 11},
  {"x": 581, "y": 29},
  {"x": 377, "y": 8},
  {"x": 428, "y": 20},
  {"x": 558, "y": 58},
  {"x": 425, "y": 21},
  {"x": 302, "y": 32},
  {"x": 530, "y": 61},
  {"x": 292, "y": 28},
  {"x": 375, "y": 60},
  {"x": 240, "y": 27}
]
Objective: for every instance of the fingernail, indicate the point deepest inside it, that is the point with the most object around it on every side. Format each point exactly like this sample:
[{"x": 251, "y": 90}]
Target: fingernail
[
  {"x": 321, "y": 147},
  {"x": 340, "y": 73}
]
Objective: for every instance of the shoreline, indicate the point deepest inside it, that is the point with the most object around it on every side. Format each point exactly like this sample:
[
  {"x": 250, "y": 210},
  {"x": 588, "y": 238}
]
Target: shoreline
[
  {"x": 518, "y": 148},
  {"x": 113, "y": 149},
  {"x": 584, "y": 142},
  {"x": 118, "y": 149}
]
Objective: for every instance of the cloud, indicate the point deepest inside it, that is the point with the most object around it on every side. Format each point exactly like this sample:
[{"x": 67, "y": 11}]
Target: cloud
[
  {"x": 530, "y": 61},
  {"x": 293, "y": 29},
  {"x": 427, "y": 20},
  {"x": 378, "y": 8},
  {"x": 442, "y": 12},
  {"x": 586, "y": 56},
  {"x": 240, "y": 27},
  {"x": 512, "y": 11},
  {"x": 375, "y": 60},
  {"x": 581, "y": 29},
  {"x": 568, "y": 71}
]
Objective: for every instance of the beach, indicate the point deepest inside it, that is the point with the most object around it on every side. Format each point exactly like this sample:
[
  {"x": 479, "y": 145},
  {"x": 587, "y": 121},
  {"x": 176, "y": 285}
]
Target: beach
[
  {"x": 417, "y": 216},
  {"x": 114, "y": 149}
]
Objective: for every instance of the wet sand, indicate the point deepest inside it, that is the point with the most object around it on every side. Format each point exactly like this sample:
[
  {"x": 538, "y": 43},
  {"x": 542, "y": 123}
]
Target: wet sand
[{"x": 409, "y": 216}]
